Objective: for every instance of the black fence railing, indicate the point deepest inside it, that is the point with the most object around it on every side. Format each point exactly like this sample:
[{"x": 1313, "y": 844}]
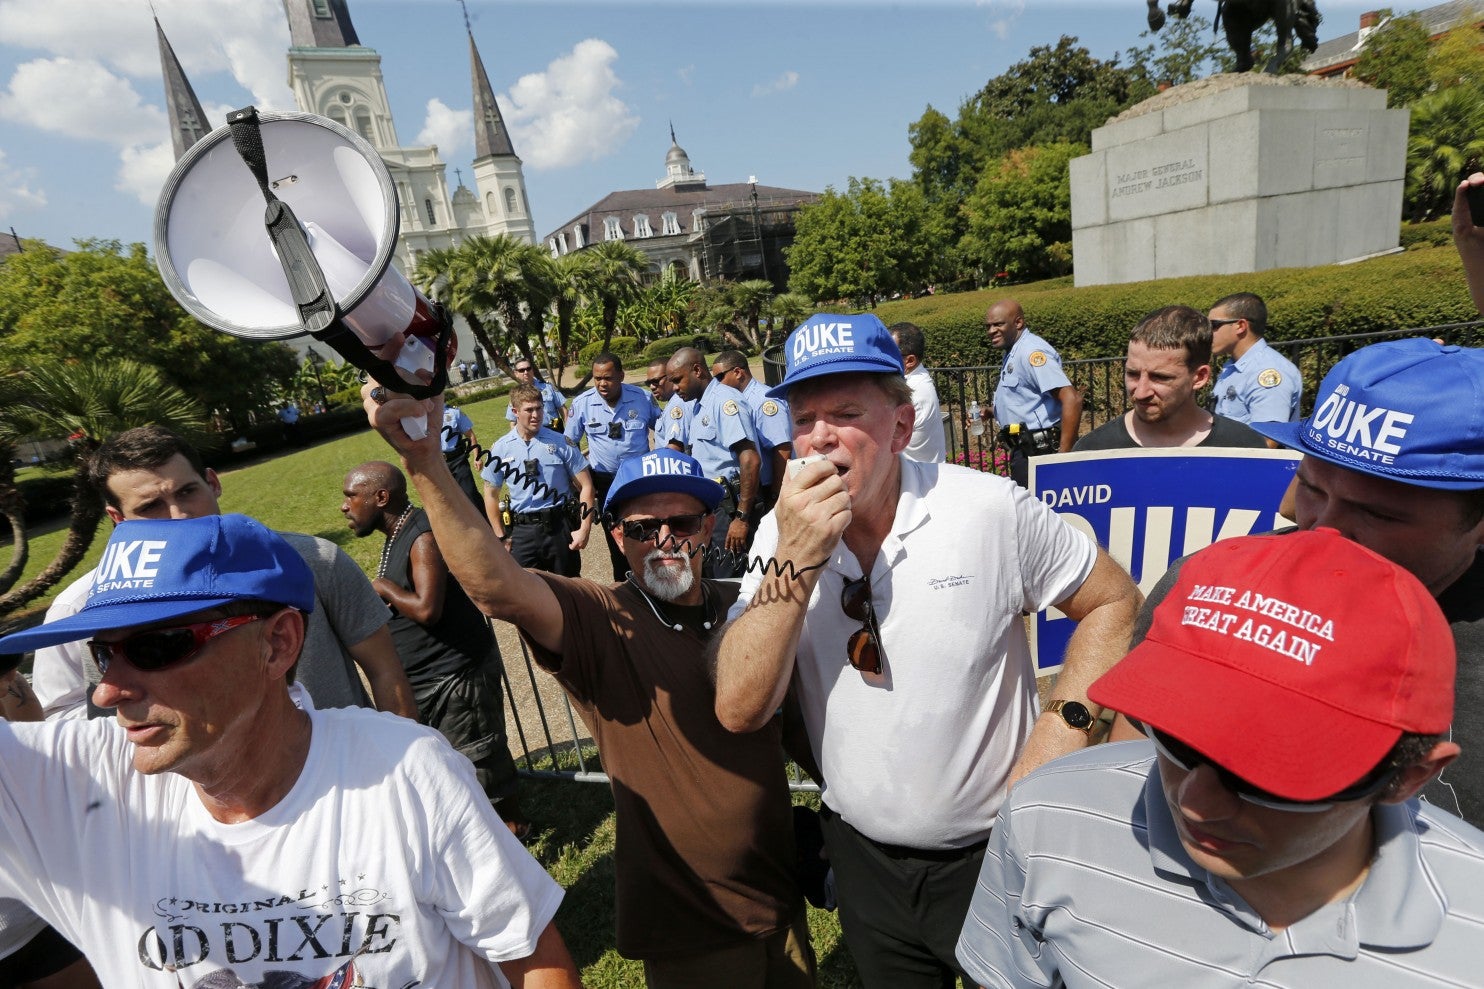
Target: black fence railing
[{"x": 1100, "y": 380}]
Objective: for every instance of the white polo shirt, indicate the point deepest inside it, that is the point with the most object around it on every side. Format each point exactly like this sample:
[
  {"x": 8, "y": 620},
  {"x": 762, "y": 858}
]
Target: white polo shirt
[
  {"x": 921, "y": 759},
  {"x": 1085, "y": 884}
]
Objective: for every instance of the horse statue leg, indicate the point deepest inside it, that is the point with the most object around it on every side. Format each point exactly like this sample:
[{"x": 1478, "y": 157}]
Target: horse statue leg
[
  {"x": 1282, "y": 17},
  {"x": 1239, "y": 39},
  {"x": 1156, "y": 16},
  {"x": 1306, "y": 18}
]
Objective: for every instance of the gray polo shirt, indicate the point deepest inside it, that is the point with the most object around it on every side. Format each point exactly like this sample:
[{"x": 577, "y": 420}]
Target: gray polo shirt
[{"x": 1085, "y": 883}]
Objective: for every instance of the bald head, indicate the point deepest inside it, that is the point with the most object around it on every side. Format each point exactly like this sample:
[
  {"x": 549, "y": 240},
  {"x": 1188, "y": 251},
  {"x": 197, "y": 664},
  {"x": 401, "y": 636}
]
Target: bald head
[
  {"x": 1004, "y": 322},
  {"x": 688, "y": 373},
  {"x": 374, "y": 493}
]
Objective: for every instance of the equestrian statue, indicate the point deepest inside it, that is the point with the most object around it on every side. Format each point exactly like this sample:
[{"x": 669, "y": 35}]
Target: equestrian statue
[{"x": 1242, "y": 18}]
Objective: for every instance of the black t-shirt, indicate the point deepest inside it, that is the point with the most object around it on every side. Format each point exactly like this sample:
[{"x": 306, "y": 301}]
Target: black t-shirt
[
  {"x": 460, "y": 640},
  {"x": 1114, "y": 435}
]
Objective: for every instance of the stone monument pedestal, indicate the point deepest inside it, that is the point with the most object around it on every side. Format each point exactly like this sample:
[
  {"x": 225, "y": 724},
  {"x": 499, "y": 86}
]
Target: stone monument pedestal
[{"x": 1239, "y": 173}]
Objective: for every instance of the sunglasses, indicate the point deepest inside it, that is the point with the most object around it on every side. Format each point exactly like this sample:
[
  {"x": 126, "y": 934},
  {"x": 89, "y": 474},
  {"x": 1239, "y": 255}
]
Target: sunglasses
[
  {"x": 864, "y": 645},
  {"x": 654, "y": 382},
  {"x": 1217, "y": 323},
  {"x": 521, "y": 370},
  {"x": 648, "y": 530},
  {"x": 1187, "y": 758},
  {"x": 159, "y": 648}
]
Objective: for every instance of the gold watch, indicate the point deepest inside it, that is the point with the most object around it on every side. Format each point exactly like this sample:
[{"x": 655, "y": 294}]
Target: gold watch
[{"x": 1075, "y": 714}]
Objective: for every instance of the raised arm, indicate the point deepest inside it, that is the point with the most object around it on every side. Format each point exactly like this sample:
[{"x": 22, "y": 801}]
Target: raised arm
[
  {"x": 755, "y": 655},
  {"x": 496, "y": 584},
  {"x": 1103, "y": 607}
]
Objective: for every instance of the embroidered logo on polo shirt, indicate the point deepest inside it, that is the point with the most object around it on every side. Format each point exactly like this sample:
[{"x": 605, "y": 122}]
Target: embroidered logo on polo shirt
[
  {"x": 1037, "y": 358},
  {"x": 633, "y": 413},
  {"x": 730, "y": 407},
  {"x": 1270, "y": 378},
  {"x": 677, "y": 413},
  {"x": 770, "y": 408}
]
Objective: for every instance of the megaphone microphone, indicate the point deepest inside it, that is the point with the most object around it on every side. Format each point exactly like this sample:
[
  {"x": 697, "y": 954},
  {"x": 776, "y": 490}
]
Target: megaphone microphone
[{"x": 316, "y": 259}]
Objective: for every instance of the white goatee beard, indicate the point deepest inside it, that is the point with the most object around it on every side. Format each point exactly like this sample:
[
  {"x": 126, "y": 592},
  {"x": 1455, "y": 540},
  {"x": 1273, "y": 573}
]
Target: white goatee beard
[{"x": 666, "y": 583}]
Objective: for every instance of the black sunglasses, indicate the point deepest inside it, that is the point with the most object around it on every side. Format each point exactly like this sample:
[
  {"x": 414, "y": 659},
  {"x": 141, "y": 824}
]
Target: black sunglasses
[
  {"x": 1222, "y": 322},
  {"x": 161, "y": 647},
  {"x": 654, "y": 382},
  {"x": 1187, "y": 757},
  {"x": 864, "y": 645},
  {"x": 648, "y": 530},
  {"x": 521, "y": 370}
]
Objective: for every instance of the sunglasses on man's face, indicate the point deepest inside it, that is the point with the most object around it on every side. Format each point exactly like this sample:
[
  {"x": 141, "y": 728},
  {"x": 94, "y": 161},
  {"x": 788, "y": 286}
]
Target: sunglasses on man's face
[
  {"x": 159, "y": 648},
  {"x": 648, "y": 530},
  {"x": 522, "y": 370},
  {"x": 654, "y": 382},
  {"x": 864, "y": 645},
  {"x": 1187, "y": 758}
]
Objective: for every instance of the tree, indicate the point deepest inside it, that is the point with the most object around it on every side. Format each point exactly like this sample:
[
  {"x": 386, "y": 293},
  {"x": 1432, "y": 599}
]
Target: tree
[
  {"x": 747, "y": 301},
  {"x": 87, "y": 401},
  {"x": 1395, "y": 59},
  {"x": 868, "y": 243},
  {"x": 107, "y": 301},
  {"x": 1184, "y": 50},
  {"x": 1020, "y": 215},
  {"x": 615, "y": 276},
  {"x": 1447, "y": 131}
]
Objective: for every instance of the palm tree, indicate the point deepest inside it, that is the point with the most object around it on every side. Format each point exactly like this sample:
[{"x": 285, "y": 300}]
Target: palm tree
[
  {"x": 442, "y": 274},
  {"x": 615, "y": 277},
  {"x": 786, "y": 311},
  {"x": 570, "y": 277},
  {"x": 13, "y": 508},
  {"x": 748, "y": 300},
  {"x": 1445, "y": 133},
  {"x": 88, "y": 402}
]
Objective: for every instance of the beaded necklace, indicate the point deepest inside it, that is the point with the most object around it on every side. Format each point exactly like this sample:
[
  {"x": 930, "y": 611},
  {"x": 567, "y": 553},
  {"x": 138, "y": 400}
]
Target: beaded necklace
[{"x": 386, "y": 551}]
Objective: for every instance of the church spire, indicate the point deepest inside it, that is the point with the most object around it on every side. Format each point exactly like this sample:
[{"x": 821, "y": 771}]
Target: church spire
[
  {"x": 490, "y": 136},
  {"x": 320, "y": 24},
  {"x": 187, "y": 120}
]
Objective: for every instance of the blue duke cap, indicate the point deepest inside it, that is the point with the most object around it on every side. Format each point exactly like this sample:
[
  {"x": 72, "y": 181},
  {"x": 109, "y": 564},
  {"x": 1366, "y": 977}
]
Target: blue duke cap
[
  {"x": 660, "y": 471},
  {"x": 826, "y": 343},
  {"x": 156, "y": 570},
  {"x": 1408, "y": 410}
]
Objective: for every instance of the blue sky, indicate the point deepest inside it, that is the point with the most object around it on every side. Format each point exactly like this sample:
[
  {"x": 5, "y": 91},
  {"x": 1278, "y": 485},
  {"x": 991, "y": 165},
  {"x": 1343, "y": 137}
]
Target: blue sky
[{"x": 801, "y": 95}]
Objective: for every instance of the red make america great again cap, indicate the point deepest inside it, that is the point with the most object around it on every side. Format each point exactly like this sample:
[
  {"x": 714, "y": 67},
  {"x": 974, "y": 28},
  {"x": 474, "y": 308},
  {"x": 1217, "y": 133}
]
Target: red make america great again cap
[{"x": 1295, "y": 661}]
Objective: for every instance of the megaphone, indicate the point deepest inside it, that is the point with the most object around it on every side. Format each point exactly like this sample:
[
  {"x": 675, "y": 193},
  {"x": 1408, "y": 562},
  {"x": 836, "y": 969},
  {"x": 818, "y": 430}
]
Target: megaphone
[{"x": 285, "y": 223}]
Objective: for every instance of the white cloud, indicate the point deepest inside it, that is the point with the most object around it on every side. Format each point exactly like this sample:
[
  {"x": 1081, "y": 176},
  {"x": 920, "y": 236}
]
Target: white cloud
[
  {"x": 81, "y": 99},
  {"x": 143, "y": 169},
  {"x": 687, "y": 73},
  {"x": 1002, "y": 15},
  {"x": 782, "y": 84},
  {"x": 569, "y": 114},
  {"x": 17, "y": 190},
  {"x": 450, "y": 129}
]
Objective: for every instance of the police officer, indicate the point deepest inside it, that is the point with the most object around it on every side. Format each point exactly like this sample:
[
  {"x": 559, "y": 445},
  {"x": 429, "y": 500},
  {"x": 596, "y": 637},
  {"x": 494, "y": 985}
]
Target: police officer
[
  {"x": 458, "y": 439},
  {"x": 1037, "y": 408},
  {"x": 673, "y": 426},
  {"x": 770, "y": 420},
  {"x": 1257, "y": 384},
  {"x": 540, "y": 533},
  {"x": 553, "y": 405},
  {"x": 616, "y": 419},
  {"x": 724, "y": 442}
]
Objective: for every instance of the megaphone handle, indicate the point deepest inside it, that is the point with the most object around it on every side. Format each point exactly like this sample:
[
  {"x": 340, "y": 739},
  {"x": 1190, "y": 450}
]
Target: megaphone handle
[{"x": 416, "y": 427}]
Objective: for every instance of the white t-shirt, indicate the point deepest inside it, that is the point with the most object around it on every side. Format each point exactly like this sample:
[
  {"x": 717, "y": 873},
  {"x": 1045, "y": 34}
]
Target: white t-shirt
[
  {"x": 385, "y": 862},
  {"x": 927, "y": 443},
  {"x": 921, "y": 761}
]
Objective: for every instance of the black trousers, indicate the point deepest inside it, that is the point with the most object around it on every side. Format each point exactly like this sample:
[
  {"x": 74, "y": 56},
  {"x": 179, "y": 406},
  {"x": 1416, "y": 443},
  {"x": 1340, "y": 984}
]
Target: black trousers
[
  {"x": 901, "y": 910},
  {"x": 545, "y": 546},
  {"x": 601, "y": 483}
]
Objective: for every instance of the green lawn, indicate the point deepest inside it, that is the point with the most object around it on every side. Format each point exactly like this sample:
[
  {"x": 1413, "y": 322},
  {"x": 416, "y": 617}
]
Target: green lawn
[{"x": 300, "y": 492}]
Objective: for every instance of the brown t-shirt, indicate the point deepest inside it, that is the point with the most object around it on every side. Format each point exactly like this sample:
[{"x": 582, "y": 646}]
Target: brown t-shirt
[{"x": 705, "y": 850}]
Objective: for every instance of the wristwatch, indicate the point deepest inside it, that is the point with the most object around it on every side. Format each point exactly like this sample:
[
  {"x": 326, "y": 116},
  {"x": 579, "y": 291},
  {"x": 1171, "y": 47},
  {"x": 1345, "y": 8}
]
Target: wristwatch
[
  {"x": 734, "y": 515},
  {"x": 1075, "y": 714}
]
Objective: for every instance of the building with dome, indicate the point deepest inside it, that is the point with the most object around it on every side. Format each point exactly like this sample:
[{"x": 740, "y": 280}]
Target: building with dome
[{"x": 689, "y": 229}]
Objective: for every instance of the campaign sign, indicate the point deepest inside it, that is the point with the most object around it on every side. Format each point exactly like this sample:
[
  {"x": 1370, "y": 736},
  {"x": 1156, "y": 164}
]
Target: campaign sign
[{"x": 1151, "y": 507}]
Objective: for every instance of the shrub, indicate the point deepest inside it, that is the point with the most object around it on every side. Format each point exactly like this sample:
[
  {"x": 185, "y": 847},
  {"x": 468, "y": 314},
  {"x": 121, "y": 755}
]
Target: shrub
[
  {"x": 663, "y": 350},
  {"x": 624, "y": 348},
  {"x": 1433, "y": 233}
]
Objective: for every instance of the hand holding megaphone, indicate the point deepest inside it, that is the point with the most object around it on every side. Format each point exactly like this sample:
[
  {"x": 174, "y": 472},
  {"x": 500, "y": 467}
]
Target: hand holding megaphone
[{"x": 389, "y": 413}]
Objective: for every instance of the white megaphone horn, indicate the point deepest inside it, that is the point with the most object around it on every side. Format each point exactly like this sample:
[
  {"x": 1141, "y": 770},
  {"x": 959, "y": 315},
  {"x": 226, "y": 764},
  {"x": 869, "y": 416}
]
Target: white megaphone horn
[{"x": 281, "y": 224}]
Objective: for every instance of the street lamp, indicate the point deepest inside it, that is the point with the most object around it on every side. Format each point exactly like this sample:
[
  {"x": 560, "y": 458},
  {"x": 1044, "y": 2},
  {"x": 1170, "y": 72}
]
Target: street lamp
[
  {"x": 757, "y": 228},
  {"x": 315, "y": 363}
]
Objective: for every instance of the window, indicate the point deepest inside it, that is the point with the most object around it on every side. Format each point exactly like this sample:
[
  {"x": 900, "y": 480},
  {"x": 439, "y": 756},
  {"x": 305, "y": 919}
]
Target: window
[
  {"x": 322, "y": 9},
  {"x": 432, "y": 217},
  {"x": 671, "y": 224},
  {"x": 641, "y": 226},
  {"x": 510, "y": 202},
  {"x": 612, "y": 229},
  {"x": 577, "y": 242},
  {"x": 562, "y": 242},
  {"x": 552, "y": 244},
  {"x": 490, "y": 205},
  {"x": 697, "y": 221},
  {"x": 337, "y": 114},
  {"x": 363, "y": 123}
]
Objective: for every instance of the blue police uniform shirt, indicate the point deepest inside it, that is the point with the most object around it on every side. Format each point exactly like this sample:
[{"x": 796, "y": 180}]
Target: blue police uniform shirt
[
  {"x": 721, "y": 419},
  {"x": 1029, "y": 379},
  {"x": 771, "y": 421},
  {"x": 1260, "y": 386},
  {"x": 455, "y": 425},
  {"x": 592, "y": 417},
  {"x": 551, "y": 402},
  {"x": 557, "y": 464},
  {"x": 674, "y": 425}
]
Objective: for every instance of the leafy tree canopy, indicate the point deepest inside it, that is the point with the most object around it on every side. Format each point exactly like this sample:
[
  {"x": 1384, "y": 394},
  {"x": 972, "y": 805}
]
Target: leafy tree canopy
[
  {"x": 105, "y": 301},
  {"x": 1020, "y": 215},
  {"x": 1395, "y": 59}
]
